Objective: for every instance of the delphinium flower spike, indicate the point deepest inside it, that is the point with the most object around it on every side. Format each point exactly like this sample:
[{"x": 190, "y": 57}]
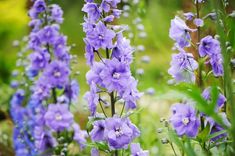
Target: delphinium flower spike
[
  {"x": 109, "y": 56},
  {"x": 52, "y": 91}
]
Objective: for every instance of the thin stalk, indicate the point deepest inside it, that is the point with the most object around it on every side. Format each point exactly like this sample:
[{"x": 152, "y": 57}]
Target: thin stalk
[{"x": 199, "y": 80}]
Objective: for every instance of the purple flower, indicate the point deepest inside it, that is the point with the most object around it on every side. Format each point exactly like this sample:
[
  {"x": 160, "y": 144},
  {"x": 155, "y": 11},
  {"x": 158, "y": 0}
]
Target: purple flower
[
  {"x": 94, "y": 74},
  {"x": 38, "y": 7},
  {"x": 221, "y": 99},
  {"x": 216, "y": 62},
  {"x": 60, "y": 49},
  {"x": 41, "y": 90},
  {"x": 115, "y": 75},
  {"x": 119, "y": 133},
  {"x": 92, "y": 10},
  {"x": 179, "y": 32},
  {"x": 58, "y": 117},
  {"x": 122, "y": 50},
  {"x": 198, "y": 22},
  {"x": 97, "y": 133},
  {"x": 72, "y": 90},
  {"x": 107, "y": 4},
  {"x": 39, "y": 60},
  {"x": 57, "y": 74},
  {"x": 92, "y": 98},
  {"x": 184, "y": 120},
  {"x": 34, "y": 41},
  {"x": 209, "y": 46},
  {"x": 49, "y": 33},
  {"x": 100, "y": 37},
  {"x": 189, "y": 16},
  {"x": 94, "y": 152},
  {"x": 183, "y": 66},
  {"x": 89, "y": 55},
  {"x": 43, "y": 139},
  {"x": 137, "y": 151},
  {"x": 215, "y": 127},
  {"x": 56, "y": 13},
  {"x": 79, "y": 135},
  {"x": 131, "y": 94}
]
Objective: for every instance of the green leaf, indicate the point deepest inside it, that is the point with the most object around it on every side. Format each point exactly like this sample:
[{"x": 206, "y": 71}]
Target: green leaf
[{"x": 203, "y": 135}]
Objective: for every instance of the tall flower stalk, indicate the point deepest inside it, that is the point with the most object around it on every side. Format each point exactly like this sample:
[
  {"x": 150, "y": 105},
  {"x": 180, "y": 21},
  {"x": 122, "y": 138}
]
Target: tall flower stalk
[
  {"x": 45, "y": 104},
  {"x": 209, "y": 116},
  {"x": 109, "y": 56}
]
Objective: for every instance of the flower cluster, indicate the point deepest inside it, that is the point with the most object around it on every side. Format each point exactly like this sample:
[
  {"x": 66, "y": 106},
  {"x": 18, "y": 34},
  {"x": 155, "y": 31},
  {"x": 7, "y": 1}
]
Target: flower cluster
[
  {"x": 183, "y": 64},
  {"x": 185, "y": 119},
  {"x": 110, "y": 74},
  {"x": 52, "y": 90}
]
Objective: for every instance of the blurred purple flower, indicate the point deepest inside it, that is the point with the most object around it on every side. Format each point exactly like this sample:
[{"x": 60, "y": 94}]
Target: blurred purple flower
[
  {"x": 92, "y": 98},
  {"x": 184, "y": 120},
  {"x": 57, "y": 74},
  {"x": 58, "y": 117},
  {"x": 97, "y": 133},
  {"x": 137, "y": 151},
  {"x": 198, "y": 22},
  {"x": 179, "y": 32},
  {"x": 182, "y": 67}
]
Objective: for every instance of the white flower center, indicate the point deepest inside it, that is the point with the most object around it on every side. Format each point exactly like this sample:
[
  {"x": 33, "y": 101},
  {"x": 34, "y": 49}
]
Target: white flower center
[
  {"x": 116, "y": 75},
  {"x": 58, "y": 117},
  {"x": 57, "y": 74},
  {"x": 185, "y": 121}
]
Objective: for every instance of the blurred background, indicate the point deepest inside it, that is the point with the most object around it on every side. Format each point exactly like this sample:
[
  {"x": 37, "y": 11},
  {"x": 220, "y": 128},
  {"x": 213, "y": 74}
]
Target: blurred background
[{"x": 151, "y": 63}]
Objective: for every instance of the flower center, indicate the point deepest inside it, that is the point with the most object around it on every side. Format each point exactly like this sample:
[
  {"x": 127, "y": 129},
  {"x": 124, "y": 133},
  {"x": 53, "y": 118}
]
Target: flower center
[
  {"x": 116, "y": 75},
  {"x": 185, "y": 121},
  {"x": 101, "y": 36},
  {"x": 118, "y": 132},
  {"x": 58, "y": 117},
  {"x": 57, "y": 74}
]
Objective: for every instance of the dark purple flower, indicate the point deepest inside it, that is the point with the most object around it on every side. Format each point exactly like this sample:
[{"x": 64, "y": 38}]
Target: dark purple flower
[
  {"x": 115, "y": 75},
  {"x": 183, "y": 66},
  {"x": 179, "y": 32},
  {"x": 216, "y": 62},
  {"x": 72, "y": 90},
  {"x": 38, "y": 7},
  {"x": 97, "y": 133},
  {"x": 58, "y": 117},
  {"x": 100, "y": 37},
  {"x": 209, "y": 46},
  {"x": 136, "y": 150},
  {"x": 118, "y": 133},
  {"x": 215, "y": 127},
  {"x": 92, "y": 98},
  {"x": 184, "y": 120},
  {"x": 92, "y": 11},
  {"x": 57, "y": 74},
  {"x": 39, "y": 60},
  {"x": 221, "y": 99}
]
